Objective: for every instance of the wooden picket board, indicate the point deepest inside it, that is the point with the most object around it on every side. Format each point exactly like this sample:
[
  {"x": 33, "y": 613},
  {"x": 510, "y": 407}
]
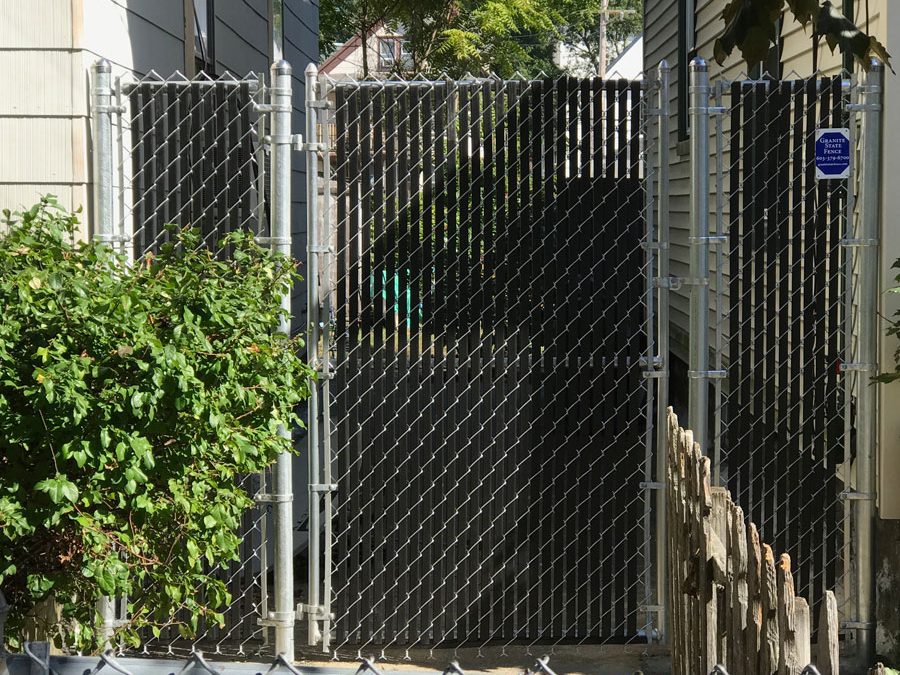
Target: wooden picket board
[{"x": 731, "y": 603}]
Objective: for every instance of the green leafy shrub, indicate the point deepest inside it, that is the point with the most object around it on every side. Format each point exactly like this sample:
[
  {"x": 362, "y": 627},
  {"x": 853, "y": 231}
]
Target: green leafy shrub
[{"x": 132, "y": 401}]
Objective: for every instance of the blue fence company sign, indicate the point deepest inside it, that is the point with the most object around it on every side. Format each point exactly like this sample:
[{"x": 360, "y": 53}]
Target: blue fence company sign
[{"x": 832, "y": 154}]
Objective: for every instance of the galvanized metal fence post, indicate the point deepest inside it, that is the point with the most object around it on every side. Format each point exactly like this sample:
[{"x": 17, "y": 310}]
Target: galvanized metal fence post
[
  {"x": 662, "y": 384},
  {"x": 869, "y": 234},
  {"x": 101, "y": 114},
  {"x": 698, "y": 368},
  {"x": 280, "y": 209},
  {"x": 325, "y": 304},
  {"x": 312, "y": 347}
]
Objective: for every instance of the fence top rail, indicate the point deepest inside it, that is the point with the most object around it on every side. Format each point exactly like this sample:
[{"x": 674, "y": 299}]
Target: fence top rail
[
  {"x": 129, "y": 82},
  {"x": 848, "y": 81},
  {"x": 439, "y": 82}
]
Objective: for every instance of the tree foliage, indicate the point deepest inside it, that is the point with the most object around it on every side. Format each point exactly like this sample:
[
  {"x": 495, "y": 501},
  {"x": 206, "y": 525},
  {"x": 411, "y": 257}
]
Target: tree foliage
[
  {"x": 580, "y": 28},
  {"x": 132, "y": 403},
  {"x": 481, "y": 36},
  {"x": 753, "y": 26}
]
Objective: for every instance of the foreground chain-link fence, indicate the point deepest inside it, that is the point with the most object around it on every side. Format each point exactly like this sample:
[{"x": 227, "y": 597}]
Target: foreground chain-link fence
[
  {"x": 488, "y": 293},
  {"x": 194, "y": 153},
  {"x": 790, "y": 436},
  {"x": 487, "y": 423}
]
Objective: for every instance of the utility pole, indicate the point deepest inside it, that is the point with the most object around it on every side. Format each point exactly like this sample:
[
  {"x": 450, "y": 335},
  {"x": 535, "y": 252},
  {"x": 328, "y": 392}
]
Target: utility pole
[
  {"x": 604, "y": 19},
  {"x": 605, "y": 13}
]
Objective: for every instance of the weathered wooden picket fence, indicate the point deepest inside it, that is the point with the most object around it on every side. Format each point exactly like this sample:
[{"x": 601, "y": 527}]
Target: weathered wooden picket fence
[{"x": 731, "y": 602}]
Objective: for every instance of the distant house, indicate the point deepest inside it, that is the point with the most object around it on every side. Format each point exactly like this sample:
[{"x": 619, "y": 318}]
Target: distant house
[
  {"x": 628, "y": 65},
  {"x": 383, "y": 54}
]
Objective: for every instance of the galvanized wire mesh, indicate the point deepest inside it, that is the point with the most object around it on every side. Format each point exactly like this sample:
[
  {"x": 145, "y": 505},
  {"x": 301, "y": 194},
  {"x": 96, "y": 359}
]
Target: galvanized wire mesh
[
  {"x": 487, "y": 432},
  {"x": 190, "y": 153},
  {"x": 782, "y": 424}
]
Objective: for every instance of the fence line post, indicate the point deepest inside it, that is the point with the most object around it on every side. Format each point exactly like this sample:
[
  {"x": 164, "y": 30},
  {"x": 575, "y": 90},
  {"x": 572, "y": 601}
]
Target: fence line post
[
  {"x": 101, "y": 114},
  {"x": 325, "y": 298},
  {"x": 312, "y": 346},
  {"x": 698, "y": 368},
  {"x": 663, "y": 344},
  {"x": 280, "y": 208},
  {"x": 870, "y": 225}
]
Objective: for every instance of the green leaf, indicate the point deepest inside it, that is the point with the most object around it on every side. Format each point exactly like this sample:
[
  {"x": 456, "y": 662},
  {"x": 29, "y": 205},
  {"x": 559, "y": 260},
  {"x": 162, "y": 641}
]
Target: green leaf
[{"x": 59, "y": 488}]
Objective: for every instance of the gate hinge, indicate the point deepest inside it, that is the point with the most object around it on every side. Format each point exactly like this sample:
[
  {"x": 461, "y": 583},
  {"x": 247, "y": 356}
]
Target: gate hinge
[
  {"x": 275, "y": 619},
  {"x": 327, "y": 105},
  {"x": 694, "y": 282},
  {"x": 320, "y": 248},
  {"x": 859, "y": 242},
  {"x": 651, "y": 485},
  {"x": 707, "y": 374},
  {"x": 317, "y": 612},
  {"x": 269, "y": 498},
  {"x": 862, "y": 107},
  {"x": 857, "y": 624},
  {"x": 294, "y": 140},
  {"x": 323, "y": 487},
  {"x": 849, "y": 495},
  {"x": 717, "y": 110},
  {"x": 856, "y": 367},
  {"x": 654, "y": 362},
  {"x": 313, "y": 147},
  {"x": 655, "y": 246},
  {"x": 671, "y": 283},
  {"x": 272, "y": 241},
  {"x": 712, "y": 240}
]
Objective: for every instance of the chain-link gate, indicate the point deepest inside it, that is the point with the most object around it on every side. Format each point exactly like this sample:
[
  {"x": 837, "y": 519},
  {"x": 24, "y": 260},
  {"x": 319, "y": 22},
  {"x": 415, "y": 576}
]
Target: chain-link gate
[
  {"x": 196, "y": 153},
  {"x": 784, "y": 329},
  {"x": 485, "y": 250}
]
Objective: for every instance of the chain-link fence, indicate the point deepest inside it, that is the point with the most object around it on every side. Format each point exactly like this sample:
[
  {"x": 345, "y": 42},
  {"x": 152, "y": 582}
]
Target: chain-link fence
[
  {"x": 191, "y": 153},
  {"x": 783, "y": 325},
  {"x": 487, "y": 286}
]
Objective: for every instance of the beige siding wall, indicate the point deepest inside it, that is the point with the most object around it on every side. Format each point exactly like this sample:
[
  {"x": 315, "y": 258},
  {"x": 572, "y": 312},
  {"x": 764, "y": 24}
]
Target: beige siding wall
[
  {"x": 41, "y": 136},
  {"x": 889, "y": 441}
]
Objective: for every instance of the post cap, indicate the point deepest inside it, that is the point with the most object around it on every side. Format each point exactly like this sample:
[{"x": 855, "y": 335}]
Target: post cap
[
  {"x": 698, "y": 64},
  {"x": 664, "y": 65},
  {"x": 281, "y": 67},
  {"x": 875, "y": 64},
  {"x": 311, "y": 70},
  {"x": 102, "y": 66}
]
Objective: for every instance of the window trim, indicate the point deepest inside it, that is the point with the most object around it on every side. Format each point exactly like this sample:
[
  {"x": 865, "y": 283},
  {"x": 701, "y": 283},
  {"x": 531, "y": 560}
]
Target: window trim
[
  {"x": 396, "y": 50},
  {"x": 195, "y": 60}
]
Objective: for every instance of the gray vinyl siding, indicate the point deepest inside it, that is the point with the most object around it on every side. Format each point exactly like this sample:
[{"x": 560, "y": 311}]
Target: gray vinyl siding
[
  {"x": 661, "y": 43},
  {"x": 242, "y": 36},
  {"x": 301, "y": 47},
  {"x": 136, "y": 36}
]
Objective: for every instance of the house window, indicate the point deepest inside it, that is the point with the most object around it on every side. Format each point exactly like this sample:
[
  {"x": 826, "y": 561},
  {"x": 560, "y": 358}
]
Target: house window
[
  {"x": 393, "y": 54},
  {"x": 204, "y": 36},
  {"x": 687, "y": 13}
]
